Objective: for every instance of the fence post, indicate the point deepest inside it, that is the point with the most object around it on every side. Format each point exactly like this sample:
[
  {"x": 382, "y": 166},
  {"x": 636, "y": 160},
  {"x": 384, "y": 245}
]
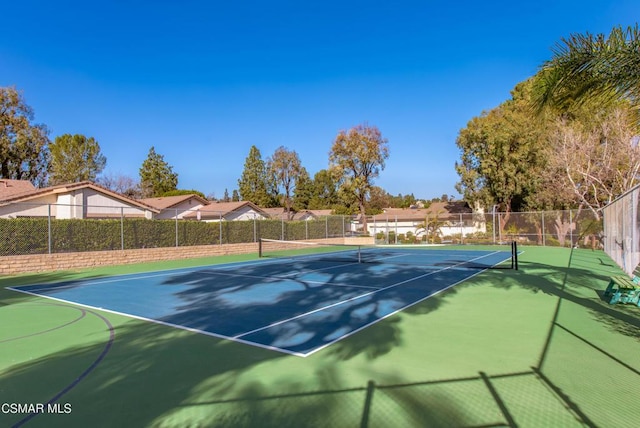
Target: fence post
[
  {"x": 255, "y": 232},
  {"x": 176, "y": 227},
  {"x": 375, "y": 229},
  {"x": 544, "y": 238},
  {"x": 396, "y": 223},
  {"x": 571, "y": 228},
  {"x": 461, "y": 230},
  {"x": 326, "y": 226},
  {"x": 220, "y": 226},
  {"x": 122, "y": 228},
  {"x": 49, "y": 227}
]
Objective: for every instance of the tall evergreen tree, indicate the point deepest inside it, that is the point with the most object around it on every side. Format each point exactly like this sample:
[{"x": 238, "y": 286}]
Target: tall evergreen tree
[
  {"x": 156, "y": 175},
  {"x": 75, "y": 158},
  {"x": 256, "y": 184},
  {"x": 303, "y": 191}
]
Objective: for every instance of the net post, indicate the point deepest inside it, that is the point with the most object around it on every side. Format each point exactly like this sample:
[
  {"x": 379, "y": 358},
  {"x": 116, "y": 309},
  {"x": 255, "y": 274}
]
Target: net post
[
  {"x": 260, "y": 247},
  {"x": 513, "y": 260}
]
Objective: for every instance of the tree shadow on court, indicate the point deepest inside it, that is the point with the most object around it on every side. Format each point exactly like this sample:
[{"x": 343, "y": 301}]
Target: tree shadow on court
[{"x": 336, "y": 301}]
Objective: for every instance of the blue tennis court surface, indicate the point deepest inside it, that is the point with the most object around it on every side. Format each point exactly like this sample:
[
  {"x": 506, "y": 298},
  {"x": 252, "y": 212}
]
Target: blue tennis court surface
[{"x": 297, "y": 305}]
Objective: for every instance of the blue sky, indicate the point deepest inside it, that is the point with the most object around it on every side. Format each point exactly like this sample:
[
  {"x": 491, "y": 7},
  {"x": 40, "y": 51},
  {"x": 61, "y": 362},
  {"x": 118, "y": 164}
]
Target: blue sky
[{"x": 202, "y": 81}]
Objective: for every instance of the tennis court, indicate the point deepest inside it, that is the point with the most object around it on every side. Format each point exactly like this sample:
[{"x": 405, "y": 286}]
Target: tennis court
[
  {"x": 300, "y": 298},
  {"x": 472, "y": 346}
]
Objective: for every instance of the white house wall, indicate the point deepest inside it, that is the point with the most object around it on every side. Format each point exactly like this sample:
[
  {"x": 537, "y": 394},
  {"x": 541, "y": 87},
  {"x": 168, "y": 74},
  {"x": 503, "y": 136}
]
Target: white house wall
[
  {"x": 244, "y": 213},
  {"x": 98, "y": 204},
  {"x": 36, "y": 208},
  {"x": 403, "y": 227},
  {"x": 81, "y": 203},
  {"x": 181, "y": 209}
]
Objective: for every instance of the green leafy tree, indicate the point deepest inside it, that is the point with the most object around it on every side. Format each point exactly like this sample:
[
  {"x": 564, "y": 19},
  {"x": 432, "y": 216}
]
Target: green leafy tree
[
  {"x": 324, "y": 191},
  {"x": 357, "y": 156},
  {"x": 502, "y": 155},
  {"x": 24, "y": 153},
  {"x": 156, "y": 175},
  {"x": 75, "y": 158},
  {"x": 285, "y": 167},
  {"x": 378, "y": 199},
  {"x": 587, "y": 67},
  {"x": 235, "y": 196},
  {"x": 226, "y": 197},
  {"x": 256, "y": 183}
]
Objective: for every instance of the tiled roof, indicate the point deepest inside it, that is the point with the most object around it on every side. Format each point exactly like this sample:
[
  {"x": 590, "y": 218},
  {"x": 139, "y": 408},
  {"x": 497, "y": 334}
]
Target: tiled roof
[
  {"x": 10, "y": 188},
  {"x": 216, "y": 209},
  {"x": 170, "y": 201},
  {"x": 68, "y": 187}
]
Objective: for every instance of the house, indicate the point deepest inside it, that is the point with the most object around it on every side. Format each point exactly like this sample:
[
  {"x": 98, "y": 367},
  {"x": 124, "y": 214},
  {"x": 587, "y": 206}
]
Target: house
[
  {"x": 229, "y": 211},
  {"x": 19, "y": 198},
  {"x": 452, "y": 218},
  {"x": 171, "y": 207},
  {"x": 280, "y": 213}
]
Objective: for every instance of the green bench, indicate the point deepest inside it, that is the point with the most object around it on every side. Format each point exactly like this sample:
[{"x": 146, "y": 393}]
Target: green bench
[{"x": 623, "y": 289}]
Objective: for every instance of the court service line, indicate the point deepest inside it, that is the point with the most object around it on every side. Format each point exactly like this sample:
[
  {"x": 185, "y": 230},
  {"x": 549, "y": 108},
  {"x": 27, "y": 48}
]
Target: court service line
[{"x": 358, "y": 297}]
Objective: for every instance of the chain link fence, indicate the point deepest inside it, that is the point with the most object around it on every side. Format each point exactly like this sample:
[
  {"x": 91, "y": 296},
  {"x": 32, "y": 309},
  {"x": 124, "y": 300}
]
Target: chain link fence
[
  {"x": 567, "y": 228},
  {"x": 622, "y": 230},
  {"x": 57, "y": 228},
  {"x": 40, "y": 229}
]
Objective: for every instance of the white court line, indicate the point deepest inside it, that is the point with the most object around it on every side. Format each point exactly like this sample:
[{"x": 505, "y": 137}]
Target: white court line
[{"x": 360, "y": 296}]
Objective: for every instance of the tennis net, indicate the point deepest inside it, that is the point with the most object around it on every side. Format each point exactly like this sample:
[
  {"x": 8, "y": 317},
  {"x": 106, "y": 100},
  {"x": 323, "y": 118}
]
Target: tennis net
[
  {"x": 407, "y": 255},
  {"x": 345, "y": 253}
]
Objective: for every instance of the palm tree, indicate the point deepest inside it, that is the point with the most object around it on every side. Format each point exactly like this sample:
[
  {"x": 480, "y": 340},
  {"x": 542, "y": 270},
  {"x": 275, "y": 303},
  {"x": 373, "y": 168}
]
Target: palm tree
[
  {"x": 430, "y": 227},
  {"x": 587, "y": 67}
]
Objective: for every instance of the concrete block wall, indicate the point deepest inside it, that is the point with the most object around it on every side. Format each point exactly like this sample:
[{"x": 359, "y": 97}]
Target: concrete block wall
[{"x": 67, "y": 261}]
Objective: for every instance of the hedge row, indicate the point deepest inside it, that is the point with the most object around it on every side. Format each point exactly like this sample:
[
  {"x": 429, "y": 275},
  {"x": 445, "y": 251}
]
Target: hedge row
[{"x": 31, "y": 235}]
